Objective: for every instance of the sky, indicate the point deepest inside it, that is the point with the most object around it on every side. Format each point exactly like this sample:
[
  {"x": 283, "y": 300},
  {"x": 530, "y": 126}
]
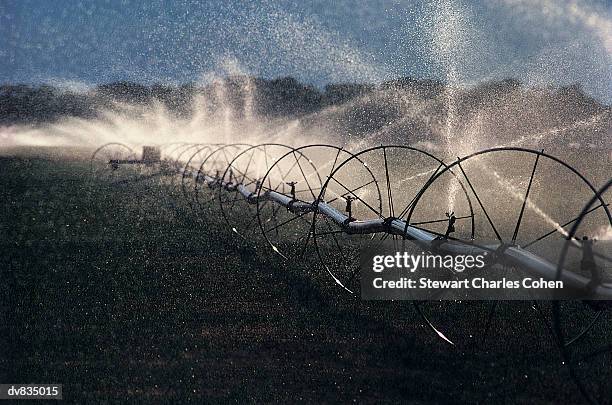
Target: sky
[{"x": 81, "y": 43}]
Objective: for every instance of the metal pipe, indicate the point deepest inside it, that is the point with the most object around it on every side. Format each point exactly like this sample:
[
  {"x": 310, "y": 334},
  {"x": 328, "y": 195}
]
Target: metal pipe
[{"x": 515, "y": 255}]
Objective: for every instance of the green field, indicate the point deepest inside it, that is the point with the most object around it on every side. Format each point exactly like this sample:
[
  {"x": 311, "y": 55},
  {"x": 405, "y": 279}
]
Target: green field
[{"x": 122, "y": 293}]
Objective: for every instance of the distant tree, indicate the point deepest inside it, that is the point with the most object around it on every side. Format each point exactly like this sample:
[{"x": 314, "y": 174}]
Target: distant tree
[
  {"x": 125, "y": 91},
  {"x": 28, "y": 104},
  {"x": 288, "y": 97},
  {"x": 341, "y": 93}
]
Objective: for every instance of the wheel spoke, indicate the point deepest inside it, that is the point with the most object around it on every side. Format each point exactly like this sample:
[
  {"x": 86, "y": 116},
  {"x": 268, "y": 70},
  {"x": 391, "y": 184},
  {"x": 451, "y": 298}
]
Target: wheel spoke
[
  {"x": 439, "y": 220},
  {"x": 520, "y": 218},
  {"x": 547, "y": 234},
  {"x": 479, "y": 201},
  {"x": 353, "y": 191},
  {"x": 405, "y": 210},
  {"x": 305, "y": 179},
  {"x": 358, "y": 198},
  {"x": 389, "y": 194},
  {"x": 287, "y": 221}
]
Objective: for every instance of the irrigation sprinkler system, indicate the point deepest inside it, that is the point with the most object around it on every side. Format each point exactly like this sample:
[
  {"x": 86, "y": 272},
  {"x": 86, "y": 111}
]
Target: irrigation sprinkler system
[{"x": 325, "y": 201}]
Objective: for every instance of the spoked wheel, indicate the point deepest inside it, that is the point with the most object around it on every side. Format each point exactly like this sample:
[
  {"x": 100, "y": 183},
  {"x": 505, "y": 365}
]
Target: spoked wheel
[
  {"x": 106, "y": 163},
  {"x": 167, "y": 150},
  {"x": 181, "y": 156},
  {"x": 171, "y": 164},
  {"x": 190, "y": 170},
  {"x": 207, "y": 178},
  {"x": 379, "y": 183},
  {"x": 299, "y": 175},
  {"x": 587, "y": 351},
  {"x": 171, "y": 151},
  {"x": 523, "y": 198},
  {"x": 246, "y": 172}
]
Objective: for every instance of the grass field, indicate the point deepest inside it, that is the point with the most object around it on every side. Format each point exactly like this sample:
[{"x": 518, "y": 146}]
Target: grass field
[{"x": 122, "y": 294}]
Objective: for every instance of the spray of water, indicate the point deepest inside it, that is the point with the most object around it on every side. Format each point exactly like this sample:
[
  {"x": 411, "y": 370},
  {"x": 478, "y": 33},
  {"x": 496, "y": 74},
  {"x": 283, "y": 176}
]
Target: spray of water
[
  {"x": 448, "y": 40},
  {"x": 515, "y": 193},
  {"x": 536, "y": 138}
]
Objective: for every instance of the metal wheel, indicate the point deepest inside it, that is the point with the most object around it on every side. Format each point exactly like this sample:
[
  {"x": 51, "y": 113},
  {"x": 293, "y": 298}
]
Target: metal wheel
[
  {"x": 180, "y": 156},
  {"x": 209, "y": 173},
  {"x": 189, "y": 172},
  {"x": 168, "y": 165},
  {"x": 523, "y": 198},
  {"x": 587, "y": 351},
  {"x": 173, "y": 161},
  {"x": 378, "y": 183},
  {"x": 242, "y": 180},
  {"x": 104, "y": 169},
  {"x": 299, "y": 176}
]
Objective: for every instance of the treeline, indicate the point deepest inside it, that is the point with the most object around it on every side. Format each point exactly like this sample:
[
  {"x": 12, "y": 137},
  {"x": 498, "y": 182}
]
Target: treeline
[{"x": 283, "y": 97}]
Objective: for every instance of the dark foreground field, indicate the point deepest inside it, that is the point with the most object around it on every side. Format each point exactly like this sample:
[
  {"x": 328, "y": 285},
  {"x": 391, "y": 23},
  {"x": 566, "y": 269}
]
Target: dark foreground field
[{"x": 120, "y": 294}]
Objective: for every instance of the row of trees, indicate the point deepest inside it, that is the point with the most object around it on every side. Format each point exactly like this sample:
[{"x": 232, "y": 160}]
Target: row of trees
[{"x": 283, "y": 97}]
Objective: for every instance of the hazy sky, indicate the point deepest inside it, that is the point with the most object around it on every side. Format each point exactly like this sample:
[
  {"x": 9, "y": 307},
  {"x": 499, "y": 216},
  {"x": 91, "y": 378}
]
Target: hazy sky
[{"x": 537, "y": 41}]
